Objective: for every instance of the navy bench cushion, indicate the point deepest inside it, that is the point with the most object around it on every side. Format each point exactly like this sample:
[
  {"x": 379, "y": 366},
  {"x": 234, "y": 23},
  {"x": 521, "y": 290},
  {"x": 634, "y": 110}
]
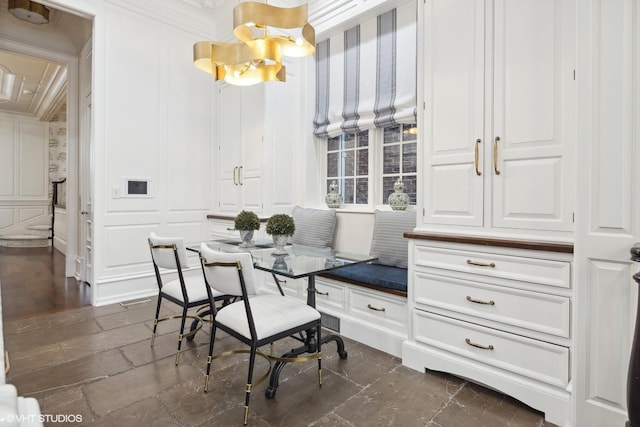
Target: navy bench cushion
[{"x": 376, "y": 275}]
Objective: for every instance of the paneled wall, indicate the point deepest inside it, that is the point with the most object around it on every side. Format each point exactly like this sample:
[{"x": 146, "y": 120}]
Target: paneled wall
[
  {"x": 154, "y": 120},
  {"x": 608, "y": 204},
  {"x": 23, "y": 173}
]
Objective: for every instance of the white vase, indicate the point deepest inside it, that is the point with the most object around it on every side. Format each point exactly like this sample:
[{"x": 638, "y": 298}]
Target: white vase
[
  {"x": 279, "y": 241},
  {"x": 399, "y": 200},
  {"x": 247, "y": 238},
  {"x": 333, "y": 198}
]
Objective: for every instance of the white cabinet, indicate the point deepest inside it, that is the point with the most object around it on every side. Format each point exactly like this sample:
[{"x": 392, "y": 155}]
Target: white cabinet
[
  {"x": 499, "y": 125},
  {"x": 377, "y": 319},
  {"x": 240, "y": 148},
  {"x": 496, "y": 312},
  {"x": 259, "y": 132}
]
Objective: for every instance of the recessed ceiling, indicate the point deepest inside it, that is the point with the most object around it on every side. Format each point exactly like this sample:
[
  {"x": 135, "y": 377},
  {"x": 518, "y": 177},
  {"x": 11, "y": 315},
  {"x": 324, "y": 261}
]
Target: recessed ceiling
[
  {"x": 39, "y": 88},
  {"x": 36, "y": 84}
]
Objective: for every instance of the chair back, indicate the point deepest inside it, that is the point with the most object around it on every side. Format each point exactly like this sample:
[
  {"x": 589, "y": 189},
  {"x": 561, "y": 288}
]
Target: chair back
[
  {"x": 164, "y": 254},
  {"x": 225, "y": 275}
]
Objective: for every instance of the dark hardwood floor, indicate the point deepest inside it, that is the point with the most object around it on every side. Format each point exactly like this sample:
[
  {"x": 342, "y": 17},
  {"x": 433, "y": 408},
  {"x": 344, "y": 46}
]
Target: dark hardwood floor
[{"x": 34, "y": 283}]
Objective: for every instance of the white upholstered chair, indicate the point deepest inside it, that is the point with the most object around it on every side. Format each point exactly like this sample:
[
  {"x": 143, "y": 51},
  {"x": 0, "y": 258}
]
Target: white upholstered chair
[
  {"x": 256, "y": 320},
  {"x": 170, "y": 253}
]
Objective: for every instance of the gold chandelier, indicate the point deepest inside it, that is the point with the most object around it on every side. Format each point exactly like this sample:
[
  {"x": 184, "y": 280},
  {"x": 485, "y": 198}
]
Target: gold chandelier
[{"x": 266, "y": 33}]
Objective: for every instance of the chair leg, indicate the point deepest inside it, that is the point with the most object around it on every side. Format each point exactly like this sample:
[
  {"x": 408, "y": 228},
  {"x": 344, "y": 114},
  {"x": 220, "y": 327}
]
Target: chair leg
[
  {"x": 210, "y": 358},
  {"x": 318, "y": 332},
  {"x": 252, "y": 361},
  {"x": 180, "y": 336},
  {"x": 155, "y": 321}
]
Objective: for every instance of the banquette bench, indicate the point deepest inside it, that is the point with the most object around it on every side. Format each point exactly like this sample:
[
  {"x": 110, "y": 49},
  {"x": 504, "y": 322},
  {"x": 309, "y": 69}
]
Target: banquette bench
[{"x": 366, "y": 302}]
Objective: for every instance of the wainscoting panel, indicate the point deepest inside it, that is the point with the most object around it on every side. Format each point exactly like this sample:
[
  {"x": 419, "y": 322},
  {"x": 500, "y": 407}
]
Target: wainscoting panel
[{"x": 607, "y": 221}]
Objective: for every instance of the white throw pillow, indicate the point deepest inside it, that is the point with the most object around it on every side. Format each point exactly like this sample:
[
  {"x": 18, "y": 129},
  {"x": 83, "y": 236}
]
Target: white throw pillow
[
  {"x": 388, "y": 243},
  {"x": 314, "y": 227}
]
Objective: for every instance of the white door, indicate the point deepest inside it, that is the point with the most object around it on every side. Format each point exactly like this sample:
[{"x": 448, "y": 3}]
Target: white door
[
  {"x": 85, "y": 219},
  {"x": 533, "y": 110},
  {"x": 453, "y": 191},
  {"x": 253, "y": 126},
  {"x": 229, "y": 114}
]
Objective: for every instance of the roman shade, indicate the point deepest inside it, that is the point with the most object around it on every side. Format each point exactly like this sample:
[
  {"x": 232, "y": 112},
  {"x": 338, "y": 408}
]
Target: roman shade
[{"x": 366, "y": 76}]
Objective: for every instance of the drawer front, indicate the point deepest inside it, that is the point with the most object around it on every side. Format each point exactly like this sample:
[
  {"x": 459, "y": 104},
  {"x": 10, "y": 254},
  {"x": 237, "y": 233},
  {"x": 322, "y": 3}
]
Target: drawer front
[
  {"x": 290, "y": 287},
  {"x": 536, "y": 311},
  {"x": 221, "y": 229},
  {"x": 379, "y": 308},
  {"x": 533, "y": 270},
  {"x": 329, "y": 295},
  {"x": 539, "y": 360}
]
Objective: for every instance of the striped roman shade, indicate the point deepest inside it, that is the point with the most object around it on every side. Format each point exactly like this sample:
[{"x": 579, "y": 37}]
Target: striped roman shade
[{"x": 366, "y": 76}]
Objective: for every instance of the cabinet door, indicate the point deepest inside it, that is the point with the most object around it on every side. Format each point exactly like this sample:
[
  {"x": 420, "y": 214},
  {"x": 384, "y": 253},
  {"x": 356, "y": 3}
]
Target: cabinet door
[
  {"x": 453, "y": 92},
  {"x": 229, "y": 147},
  {"x": 533, "y": 113},
  {"x": 250, "y": 172}
]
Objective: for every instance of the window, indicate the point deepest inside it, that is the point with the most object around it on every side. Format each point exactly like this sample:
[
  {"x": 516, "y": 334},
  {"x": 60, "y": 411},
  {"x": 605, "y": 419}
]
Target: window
[
  {"x": 348, "y": 166},
  {"x": 399, "y": 160},
  {"x": 350, "y": 163}
]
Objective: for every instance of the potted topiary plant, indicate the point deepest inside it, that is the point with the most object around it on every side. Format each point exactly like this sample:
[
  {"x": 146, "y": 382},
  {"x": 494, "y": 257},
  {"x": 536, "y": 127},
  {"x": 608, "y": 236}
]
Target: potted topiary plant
[
  {"x": 246, "y": 222},
  {"x": 280, "y": 226}
]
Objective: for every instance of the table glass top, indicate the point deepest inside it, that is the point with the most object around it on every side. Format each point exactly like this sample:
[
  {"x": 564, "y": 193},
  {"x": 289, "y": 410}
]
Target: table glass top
[{"x": 298, "y": 261}]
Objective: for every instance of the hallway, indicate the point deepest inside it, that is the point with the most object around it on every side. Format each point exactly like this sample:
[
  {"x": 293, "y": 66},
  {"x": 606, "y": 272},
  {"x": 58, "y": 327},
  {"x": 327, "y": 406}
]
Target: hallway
[
  {"x": 95, "y": 364},
  {"x": 33, "y": 283}
]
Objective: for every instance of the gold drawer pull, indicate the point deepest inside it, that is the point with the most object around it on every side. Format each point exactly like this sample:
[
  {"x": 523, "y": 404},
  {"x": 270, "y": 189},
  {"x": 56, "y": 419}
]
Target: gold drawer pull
[
  {"x": 370, "y": 307},
  {"x": 480, "y": 264},
  {"x": 472, "y": 344},
  {"x": 321, "y": 293},
  {"x": 479, "y": 301}
]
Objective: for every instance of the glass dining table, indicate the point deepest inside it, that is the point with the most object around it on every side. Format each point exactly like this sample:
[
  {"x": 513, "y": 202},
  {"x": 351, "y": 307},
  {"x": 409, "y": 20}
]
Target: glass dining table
[{"x": 296, "y": 262}]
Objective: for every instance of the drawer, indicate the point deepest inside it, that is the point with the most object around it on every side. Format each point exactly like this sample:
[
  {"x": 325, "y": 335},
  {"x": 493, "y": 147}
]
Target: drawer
[
  {"x": 329, "y": 295},
  {"x": 536, "y": 311},
  {"x": 533, "y": 270},
  {"x": 221, "y": 229},
  {"x": 539, "y": 360},
  {"x": 379, "y": 308},
  {"x": 290, "y": 287}
]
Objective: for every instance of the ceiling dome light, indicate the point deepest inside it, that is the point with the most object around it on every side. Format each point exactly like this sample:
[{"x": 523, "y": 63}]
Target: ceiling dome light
[{"x": 29, "y": 11}]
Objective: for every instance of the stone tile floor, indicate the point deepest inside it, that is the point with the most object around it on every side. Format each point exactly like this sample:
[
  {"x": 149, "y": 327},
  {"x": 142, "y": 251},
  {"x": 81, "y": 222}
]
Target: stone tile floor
[{"x": 96, "y": 363}]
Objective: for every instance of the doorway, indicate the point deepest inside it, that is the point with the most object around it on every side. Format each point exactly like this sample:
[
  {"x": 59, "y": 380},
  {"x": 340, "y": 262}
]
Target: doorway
[{"x": 65, "y": 39}]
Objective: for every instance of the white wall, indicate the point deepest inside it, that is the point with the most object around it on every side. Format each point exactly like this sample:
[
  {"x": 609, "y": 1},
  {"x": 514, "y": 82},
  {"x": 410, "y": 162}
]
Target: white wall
[
  {"x": 607, "y": 221},
  {"x": 152, "y": 113},
  {"x": 24, "y": 182}
]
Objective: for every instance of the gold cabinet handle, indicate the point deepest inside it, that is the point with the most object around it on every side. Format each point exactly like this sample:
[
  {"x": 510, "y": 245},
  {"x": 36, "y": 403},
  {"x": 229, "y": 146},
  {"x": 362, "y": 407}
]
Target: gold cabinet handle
[
  {"x": 370, "y": 307},
  {"x": 479, "y": 301},
  {"x": 480, "y": 264},
  {"x": 321, "y": 293},
  {"x": 477, "y": 156},
  {"x": 472, "y": 344},
  {"x": 235, "y": 176},
  {"x": 495, "y": 155},
  {"x": 240, "y": 176}
]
